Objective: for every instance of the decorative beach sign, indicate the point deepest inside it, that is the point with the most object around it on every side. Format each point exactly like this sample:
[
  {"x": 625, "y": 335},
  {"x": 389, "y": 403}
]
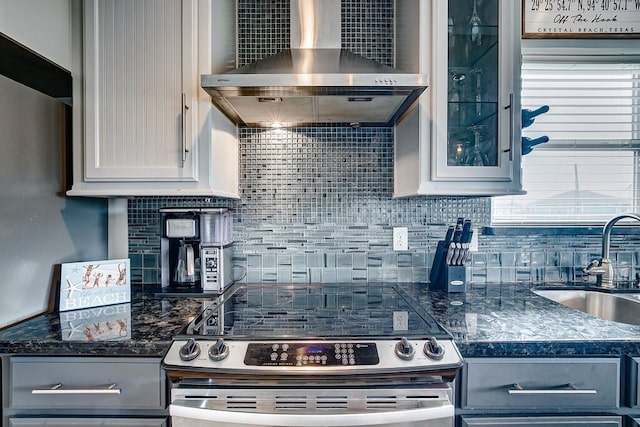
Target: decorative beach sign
[{"x": 94, "y": 283}]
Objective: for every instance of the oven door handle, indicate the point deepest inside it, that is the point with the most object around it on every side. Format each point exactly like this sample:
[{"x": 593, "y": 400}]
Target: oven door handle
[{"x": 443, "y": 411}]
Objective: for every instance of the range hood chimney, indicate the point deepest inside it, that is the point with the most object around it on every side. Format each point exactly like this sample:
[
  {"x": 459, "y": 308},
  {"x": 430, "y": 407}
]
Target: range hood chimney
[{"x": 315, "y": 82}]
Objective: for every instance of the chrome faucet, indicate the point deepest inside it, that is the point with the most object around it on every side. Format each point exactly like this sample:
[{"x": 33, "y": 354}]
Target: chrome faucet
[{"x": 603, "y": 268}]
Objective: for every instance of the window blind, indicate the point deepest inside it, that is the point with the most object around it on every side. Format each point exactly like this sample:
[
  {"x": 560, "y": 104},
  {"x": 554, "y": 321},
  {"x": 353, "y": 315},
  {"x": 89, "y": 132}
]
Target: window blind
[{"x": 588, "y": 171}]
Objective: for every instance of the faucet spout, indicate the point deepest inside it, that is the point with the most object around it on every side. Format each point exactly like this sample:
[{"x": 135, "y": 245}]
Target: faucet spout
[
  {"x": 603, "y": 268},
  {"x": 606, "y": 231}
]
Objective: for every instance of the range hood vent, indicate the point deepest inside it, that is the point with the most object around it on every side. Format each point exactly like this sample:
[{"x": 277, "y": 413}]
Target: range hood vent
[{"x": 315, "y": 82}]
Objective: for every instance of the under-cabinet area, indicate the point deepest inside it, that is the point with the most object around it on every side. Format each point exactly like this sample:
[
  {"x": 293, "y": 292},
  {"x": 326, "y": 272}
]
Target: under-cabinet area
[{"x": 63, "y": 391}]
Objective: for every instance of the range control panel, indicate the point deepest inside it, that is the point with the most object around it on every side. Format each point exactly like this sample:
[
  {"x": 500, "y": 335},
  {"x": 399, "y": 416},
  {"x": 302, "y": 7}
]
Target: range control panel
[
  {"x": 330, "y": 357},
  {"x": 312, "y": 354}
]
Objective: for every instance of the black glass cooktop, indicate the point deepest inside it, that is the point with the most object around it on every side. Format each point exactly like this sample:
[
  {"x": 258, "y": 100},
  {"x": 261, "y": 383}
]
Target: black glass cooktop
[{"x": 260, "y": 311}]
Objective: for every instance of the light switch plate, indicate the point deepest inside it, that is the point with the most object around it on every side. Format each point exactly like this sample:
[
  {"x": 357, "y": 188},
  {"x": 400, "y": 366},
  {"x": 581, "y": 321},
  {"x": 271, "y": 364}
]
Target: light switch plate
[{"x": 400, "y": 238}]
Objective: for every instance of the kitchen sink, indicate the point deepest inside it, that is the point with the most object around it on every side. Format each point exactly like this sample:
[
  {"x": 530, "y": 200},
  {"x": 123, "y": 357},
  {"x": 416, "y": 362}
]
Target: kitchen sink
[{"x": 623, "y": 307}]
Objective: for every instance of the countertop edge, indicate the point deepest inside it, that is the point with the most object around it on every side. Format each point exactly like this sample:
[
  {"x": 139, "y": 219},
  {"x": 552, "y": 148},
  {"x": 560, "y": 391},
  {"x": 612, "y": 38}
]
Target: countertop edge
[{"x": 505, "y": 320}]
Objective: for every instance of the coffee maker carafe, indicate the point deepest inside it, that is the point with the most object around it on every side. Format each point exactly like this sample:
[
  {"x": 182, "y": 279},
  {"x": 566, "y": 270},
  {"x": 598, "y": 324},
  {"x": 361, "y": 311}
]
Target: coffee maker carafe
[
  {"x": 185, "y": 269},
  {"x": 196, "y": 249}
]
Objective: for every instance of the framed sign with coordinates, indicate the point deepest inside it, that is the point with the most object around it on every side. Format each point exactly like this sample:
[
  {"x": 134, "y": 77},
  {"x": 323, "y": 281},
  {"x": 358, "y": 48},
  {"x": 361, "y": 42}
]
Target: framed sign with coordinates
[{"x": 581, "y": 18}]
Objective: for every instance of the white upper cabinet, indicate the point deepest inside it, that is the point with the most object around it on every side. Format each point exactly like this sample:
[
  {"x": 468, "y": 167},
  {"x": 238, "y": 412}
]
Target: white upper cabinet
[
  {"x": 464, "y": 137},
  {"x": 148, "y": 128}
]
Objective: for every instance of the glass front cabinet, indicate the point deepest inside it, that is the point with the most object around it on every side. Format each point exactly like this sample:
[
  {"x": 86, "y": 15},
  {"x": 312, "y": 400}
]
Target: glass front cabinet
[{"x": 464, "y": 138}]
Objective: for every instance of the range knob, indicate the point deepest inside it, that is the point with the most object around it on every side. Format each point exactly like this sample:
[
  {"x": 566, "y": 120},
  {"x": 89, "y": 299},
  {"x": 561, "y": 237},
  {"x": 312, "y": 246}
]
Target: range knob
[
  {"x": 404, "y": 350},
  {"x": 190, "y": 350},
  {"x": 433, "y": 350},
  {"x": 219, "y": 350}
]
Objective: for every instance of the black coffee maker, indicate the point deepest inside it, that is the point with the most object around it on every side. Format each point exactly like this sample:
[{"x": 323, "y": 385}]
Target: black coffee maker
[{"x": 195, "y": 249}]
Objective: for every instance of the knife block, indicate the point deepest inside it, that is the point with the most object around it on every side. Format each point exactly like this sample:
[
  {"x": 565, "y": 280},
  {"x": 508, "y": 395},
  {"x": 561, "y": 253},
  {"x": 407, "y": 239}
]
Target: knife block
[{"x": 453, "y": 278}]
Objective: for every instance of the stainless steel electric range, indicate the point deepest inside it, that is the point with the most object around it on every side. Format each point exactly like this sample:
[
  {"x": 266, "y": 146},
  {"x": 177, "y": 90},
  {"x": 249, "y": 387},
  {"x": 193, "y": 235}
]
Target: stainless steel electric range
[{"x": 312, "y": 355}]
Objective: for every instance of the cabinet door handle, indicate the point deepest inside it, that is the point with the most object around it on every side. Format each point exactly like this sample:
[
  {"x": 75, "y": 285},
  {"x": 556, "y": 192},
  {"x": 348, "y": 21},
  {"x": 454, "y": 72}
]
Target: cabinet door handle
[
  {"x": 59, "y": 389},
  {"x": 511, "y": 126},
  {"x": 185, "y": 107},
  {"x": 566, "y": 389}
]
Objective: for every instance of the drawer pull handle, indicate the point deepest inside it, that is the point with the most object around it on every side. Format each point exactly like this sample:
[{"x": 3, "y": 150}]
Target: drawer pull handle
[
  {"x": 567, "y": 389},
  {"x": 58, "y": 389}
]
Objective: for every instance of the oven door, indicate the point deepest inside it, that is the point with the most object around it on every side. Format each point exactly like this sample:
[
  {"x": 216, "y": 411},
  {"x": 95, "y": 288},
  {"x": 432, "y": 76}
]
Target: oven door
[{"x": 315, "y": 407}]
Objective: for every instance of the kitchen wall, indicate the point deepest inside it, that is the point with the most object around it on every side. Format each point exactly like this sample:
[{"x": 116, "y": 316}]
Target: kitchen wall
[
  {"x": 39, "y": 227},
  {"x": 52, "y": 18},
  {"x": 316, "y": 203}
]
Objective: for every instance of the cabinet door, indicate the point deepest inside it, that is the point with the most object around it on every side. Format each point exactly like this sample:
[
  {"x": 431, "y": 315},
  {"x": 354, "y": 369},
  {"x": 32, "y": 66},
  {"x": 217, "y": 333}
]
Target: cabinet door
[
  {"x": 579, "y": 421},
  {"x": 67, "y": 383},
  {"x": 87, "y": 422},
  {"x": 139, "y": 84},
  {"x": 464, "y": 139},
  {"x": 541, "y": 383},
  {"x": 482, "y": 93},
  {"x": 633, "y": 382}
]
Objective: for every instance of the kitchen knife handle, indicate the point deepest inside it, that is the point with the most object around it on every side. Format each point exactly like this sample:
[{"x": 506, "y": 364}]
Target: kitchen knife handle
[
  {"x": 450, "y": 252},
  {"x": 457, "y": 235},
  {"x": 456, "y": 254},
  {"x": 438, "y": 262},
  {"x": 449, "y": 235},
  {"x": 466, "y": 232},
  {"x": 183, "y": 114},
  {"x": 464, "y": 252}
]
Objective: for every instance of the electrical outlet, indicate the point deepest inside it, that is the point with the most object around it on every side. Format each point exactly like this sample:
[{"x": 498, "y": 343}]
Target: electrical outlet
[
  {"x": 400, "y": 238},
  {"x": 400, "y": 321}
]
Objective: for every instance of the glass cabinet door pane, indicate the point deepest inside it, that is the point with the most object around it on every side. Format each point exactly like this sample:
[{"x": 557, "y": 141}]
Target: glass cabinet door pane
[{"x": 473, "y": 83}]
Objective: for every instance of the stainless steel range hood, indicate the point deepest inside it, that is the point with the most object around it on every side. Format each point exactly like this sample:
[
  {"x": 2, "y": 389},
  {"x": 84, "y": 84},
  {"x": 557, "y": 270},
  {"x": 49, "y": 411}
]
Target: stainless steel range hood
[{"x": 315, "y": 82}]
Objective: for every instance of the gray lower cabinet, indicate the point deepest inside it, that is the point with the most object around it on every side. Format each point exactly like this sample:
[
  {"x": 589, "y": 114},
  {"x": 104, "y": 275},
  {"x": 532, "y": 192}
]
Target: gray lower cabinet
[
  {"x": 594, "y": 421},
  {"x": 590, "y": 383},
  {"x": 86, "y": 422},
  {"x": 633, "y": 394},
  {"x": 83, "y": 391},
  {"x": 540, "y": 391},
  {"x": 634, "y": 382}
]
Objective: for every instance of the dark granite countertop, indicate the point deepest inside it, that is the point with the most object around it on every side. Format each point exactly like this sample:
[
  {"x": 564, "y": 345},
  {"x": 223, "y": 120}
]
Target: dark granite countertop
[
  {"x": 511, "y": 320},
  {"x": 488, "y": 320},
  {"x": 151, "y": 324}
]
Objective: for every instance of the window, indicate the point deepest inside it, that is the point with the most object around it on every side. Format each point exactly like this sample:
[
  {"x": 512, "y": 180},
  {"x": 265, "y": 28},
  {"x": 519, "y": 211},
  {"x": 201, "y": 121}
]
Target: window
[{"x": 589, "y": 169}]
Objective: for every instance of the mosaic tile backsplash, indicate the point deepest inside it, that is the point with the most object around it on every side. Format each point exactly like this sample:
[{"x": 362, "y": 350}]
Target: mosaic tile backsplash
[
  {"x": 316, "y": 206},
  {"x": 367, "y": 29},
  {"x": 316, "y": 203}
]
